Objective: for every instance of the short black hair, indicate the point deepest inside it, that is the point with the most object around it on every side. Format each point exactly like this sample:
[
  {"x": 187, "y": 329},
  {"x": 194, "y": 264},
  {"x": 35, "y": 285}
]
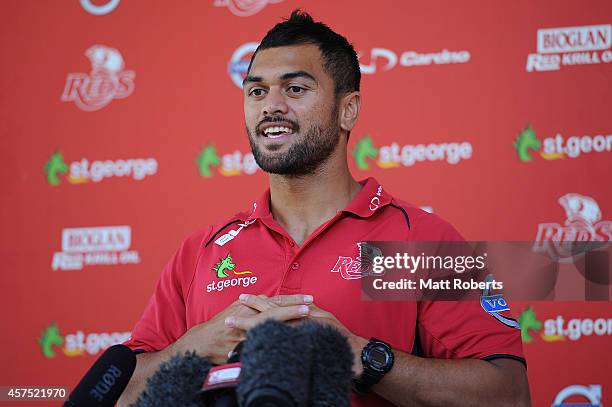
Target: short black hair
[{"x": 339, "y": 57}]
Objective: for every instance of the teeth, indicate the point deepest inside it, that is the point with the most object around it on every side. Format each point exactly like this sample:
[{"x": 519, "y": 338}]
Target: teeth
[{"x": 278, "y": 129}]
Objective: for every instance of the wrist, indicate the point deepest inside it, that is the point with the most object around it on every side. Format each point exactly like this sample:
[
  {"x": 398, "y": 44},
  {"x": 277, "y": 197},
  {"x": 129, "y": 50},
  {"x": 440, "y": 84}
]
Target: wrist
[
  {"x": 376, "y": 360},
  {"x": 357, "y": 344},
  {"x": 175, "y": 348},
  {"x": 186, "y": 343}
]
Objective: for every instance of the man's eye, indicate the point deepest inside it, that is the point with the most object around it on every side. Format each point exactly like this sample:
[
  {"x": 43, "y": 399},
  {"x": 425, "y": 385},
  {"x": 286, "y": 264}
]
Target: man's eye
[
  {"x": 296, "y": 89},
  {"x": 256, "y": 92}
]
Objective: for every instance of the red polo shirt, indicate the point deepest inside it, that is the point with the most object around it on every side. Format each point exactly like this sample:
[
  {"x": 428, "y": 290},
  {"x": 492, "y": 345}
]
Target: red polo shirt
[{"x": 251, "y": 253}]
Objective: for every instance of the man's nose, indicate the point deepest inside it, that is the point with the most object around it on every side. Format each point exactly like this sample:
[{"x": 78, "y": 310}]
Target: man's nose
[{"x": 274, "y": 104}]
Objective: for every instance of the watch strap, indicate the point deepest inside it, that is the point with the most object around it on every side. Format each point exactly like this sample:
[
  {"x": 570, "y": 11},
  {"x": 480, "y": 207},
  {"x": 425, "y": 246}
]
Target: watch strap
[{"x": 368, "y": 378}]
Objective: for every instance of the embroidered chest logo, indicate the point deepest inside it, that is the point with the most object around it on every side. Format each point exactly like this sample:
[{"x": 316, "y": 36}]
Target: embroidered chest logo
[
  {"x": 360, "y": 266},
  {"x": 225, "y": 268},
  {"x": 227, "y": 264}
]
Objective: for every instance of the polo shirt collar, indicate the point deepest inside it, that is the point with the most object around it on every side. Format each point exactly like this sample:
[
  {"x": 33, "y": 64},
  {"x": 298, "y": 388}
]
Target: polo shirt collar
[
  {"x": 261, "y": 207},
  {"x": 368, "y": 200}
]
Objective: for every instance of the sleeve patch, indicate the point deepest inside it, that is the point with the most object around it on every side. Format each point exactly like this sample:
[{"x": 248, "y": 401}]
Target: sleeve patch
[{"x": 494, "y": 305}]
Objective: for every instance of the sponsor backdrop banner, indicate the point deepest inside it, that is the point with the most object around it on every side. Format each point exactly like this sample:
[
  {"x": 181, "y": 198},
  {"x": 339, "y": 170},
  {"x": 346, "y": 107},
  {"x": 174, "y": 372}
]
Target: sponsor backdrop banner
[{"x": 122, "y": 132}]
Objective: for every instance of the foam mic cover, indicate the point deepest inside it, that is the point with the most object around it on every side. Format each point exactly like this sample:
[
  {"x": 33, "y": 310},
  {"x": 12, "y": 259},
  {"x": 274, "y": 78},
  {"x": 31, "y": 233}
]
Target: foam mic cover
[
  {"x": 219, "y": 388},
  {"x": 275, "y": 367},
  {"x": 104, "y": 382},
  {"x": 177, "y": 382},
  {"x": 332, "y": 365}
]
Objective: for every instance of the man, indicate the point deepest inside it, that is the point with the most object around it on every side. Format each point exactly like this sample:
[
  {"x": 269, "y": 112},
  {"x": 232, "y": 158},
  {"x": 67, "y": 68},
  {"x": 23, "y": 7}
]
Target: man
[{"x": 288, "y": 257}]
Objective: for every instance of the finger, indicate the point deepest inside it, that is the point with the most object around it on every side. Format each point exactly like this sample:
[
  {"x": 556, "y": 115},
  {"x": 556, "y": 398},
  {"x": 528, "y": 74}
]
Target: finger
[
  {"x": 244, "y": 323},
  {"x": 285, "y": 313},
  {"x": 244, "y": 311},
  {"x": 278, "y": 314},
  {"x": 295, "y": 299},
  {"x": 260, "y": 303},
  {"x": 317, "y": 312}
]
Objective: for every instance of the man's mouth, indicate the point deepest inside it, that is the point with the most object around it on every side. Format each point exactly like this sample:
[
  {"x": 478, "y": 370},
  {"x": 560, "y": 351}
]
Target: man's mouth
[{"x": 276, "y": 130}]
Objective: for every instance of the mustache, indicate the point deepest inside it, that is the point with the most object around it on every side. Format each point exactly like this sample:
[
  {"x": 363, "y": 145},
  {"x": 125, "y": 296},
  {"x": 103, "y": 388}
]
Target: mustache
[{"x": 277, "y": 119}]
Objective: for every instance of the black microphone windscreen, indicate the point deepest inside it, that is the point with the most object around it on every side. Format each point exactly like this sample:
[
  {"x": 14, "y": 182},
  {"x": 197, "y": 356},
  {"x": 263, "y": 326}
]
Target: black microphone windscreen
[
  {"x": 332, "y": 365},
  {"x": 104, "y": 382},
  {"x": 177, "y": 382},
  {"x": 275, "y": 367}
]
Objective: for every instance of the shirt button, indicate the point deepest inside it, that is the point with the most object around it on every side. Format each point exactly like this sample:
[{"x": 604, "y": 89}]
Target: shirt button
[
  {"x": 291, "y": 244},
  {"x": 295, "y": 266}
]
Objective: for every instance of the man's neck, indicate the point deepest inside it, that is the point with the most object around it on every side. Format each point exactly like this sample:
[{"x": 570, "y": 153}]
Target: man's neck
[{"x": 302, "y": 204}]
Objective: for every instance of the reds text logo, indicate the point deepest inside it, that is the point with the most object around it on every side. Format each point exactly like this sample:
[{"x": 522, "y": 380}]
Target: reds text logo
[
  {"x": 244, "y": 8},
  {"x": 361, "y": 266},
  {"x": 107, "y": 80},
  {"x": 583, "y": 223}
]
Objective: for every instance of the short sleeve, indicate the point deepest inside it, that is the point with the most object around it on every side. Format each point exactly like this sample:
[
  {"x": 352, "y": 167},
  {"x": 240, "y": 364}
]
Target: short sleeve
[
  {"x": 461, "y": 329},
  {"x": 164, "y": 318}
]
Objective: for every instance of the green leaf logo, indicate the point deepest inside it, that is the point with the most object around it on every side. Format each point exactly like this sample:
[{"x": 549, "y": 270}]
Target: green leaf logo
[
  {"x": 208, "y": 157},
  {"x": 528, "y": 321},
  {"x": 526, "y": 140},
  {"x": 50, "y": 337},
  {"x": 364, "y": 149},
  {"x": 55, "y": 166}
]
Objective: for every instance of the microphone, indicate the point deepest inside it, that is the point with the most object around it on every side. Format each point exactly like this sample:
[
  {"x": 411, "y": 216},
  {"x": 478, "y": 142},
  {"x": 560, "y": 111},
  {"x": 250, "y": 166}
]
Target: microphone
[
  {"x": 219, "y": 388},
  {"x": 276, "y": 367},
  {"x": 332, "y": 366},
  {"x": 279, "y": 365},
  {"x": 177, "y": 382},
  {"x": 104, "y": 382}
]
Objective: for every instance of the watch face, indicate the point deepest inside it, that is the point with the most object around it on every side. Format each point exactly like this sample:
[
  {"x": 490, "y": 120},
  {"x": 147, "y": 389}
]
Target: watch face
[{"x": 379, "y": 358}]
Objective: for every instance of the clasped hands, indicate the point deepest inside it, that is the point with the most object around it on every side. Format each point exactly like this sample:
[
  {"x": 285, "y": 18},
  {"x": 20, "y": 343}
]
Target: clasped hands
[{"x": 218, "y": 336}]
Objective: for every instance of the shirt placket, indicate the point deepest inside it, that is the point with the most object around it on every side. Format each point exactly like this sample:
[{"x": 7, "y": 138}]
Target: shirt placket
[
  {"x": 292, "y": 277},
  {"x": 294, "y": 270}
]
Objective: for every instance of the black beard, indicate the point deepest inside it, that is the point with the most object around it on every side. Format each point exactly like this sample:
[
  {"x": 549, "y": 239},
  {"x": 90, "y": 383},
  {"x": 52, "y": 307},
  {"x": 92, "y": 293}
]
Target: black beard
[{"x": 303, "y": 157}]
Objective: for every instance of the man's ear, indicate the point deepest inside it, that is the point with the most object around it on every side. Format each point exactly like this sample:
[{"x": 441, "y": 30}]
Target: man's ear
[{"x": 350, "y": 104}]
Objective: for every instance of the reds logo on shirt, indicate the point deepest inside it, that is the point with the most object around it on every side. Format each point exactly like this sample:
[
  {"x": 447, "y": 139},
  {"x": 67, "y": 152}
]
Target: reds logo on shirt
[{"x": 353, "y": 268}]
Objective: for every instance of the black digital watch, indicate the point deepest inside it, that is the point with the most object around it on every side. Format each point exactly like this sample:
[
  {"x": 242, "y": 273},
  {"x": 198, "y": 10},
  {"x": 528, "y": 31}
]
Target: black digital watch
[{"x": 377, "y": 360}]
